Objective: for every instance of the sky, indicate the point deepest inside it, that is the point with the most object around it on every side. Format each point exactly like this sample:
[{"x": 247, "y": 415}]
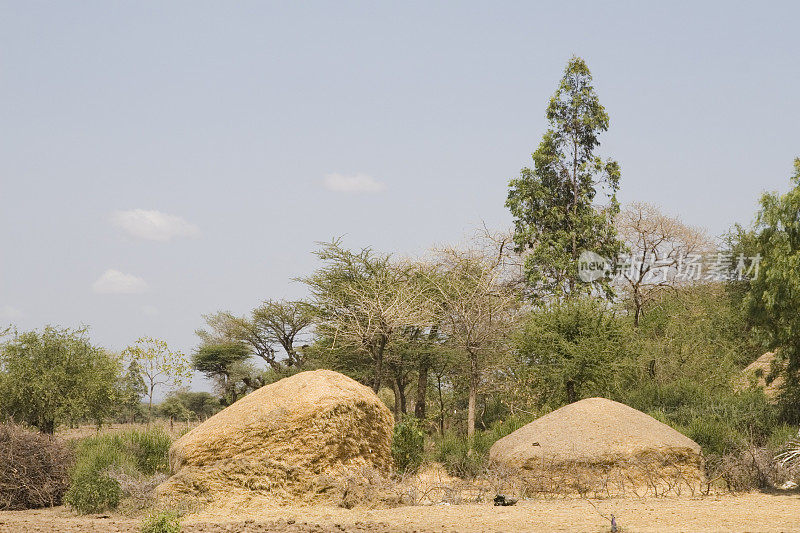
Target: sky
[{"x": 160, "y": 160}]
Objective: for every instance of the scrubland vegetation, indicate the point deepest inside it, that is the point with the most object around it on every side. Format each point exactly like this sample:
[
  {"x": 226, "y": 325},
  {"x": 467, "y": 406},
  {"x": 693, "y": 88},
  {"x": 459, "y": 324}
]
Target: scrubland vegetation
[{"x": 465, "y": 344}]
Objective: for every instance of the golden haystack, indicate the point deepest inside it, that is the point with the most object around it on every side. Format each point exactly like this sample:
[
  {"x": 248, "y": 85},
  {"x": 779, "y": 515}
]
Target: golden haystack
[
  {"x": 283, "y": 441},
  {"x": 756, "y": 374},
  {"x": 603, "y": 447}
]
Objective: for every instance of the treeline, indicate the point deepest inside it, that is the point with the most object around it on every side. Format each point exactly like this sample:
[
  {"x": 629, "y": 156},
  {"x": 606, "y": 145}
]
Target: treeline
[{"x": 581, "y": 298}]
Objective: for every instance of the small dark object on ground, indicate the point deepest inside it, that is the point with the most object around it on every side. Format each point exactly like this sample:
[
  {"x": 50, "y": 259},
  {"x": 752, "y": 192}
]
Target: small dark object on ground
[
  {"x": 504, "y": 501},
  {"x": 614, "y": 528}
]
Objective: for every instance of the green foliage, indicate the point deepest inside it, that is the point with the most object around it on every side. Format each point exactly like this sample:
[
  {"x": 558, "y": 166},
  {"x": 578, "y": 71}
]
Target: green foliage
[
  {"x": 201, "y": 405},
  {"x": 574, "y": 349},
  {"x": 695, "y": 332},
  {"x": 468, "y": 461},
  {"x": 162, "y": 522},
  {"x": 553, "y": 204},
  {"x": 55, "y": 376},
  {"x": 719, "y": 420},
  {"x": 362, "y": 300},
  {"x": 93, "y": 493},
  {"x": 174, "y": 409},
  {"x": 131, "y": 391},
  {"x": 214, "y": 360},
  {"x": 773, "y": 298},
  {"x": 408, "y": 445},
  {"x": 159, "y": 366},
  {"x": 93, "y": 487}
]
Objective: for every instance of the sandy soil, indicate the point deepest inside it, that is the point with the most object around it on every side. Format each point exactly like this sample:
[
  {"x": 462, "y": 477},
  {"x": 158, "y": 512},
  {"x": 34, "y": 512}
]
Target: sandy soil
[{"x": 754, "y": 512}]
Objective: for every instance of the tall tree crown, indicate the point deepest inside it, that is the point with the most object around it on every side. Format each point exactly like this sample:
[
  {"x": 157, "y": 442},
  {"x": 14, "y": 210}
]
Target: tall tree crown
[{"x": 553, "y": 204}]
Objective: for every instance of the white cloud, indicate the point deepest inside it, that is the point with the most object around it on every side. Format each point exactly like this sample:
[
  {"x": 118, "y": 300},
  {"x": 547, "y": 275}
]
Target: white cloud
[
  {"x": 8, "y": 312},
  {"x": 354, "y": 183},
  {"x": 116, "y": 282},
  {"x": 150, "y": 310},
  {"x": 153, "y": 225}
]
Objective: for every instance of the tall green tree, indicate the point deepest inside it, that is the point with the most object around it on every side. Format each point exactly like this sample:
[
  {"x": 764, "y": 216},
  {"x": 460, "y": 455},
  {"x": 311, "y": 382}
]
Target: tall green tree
[
  {"x": 773, "y": 300},
  {"x": 57, "y": 376},
  {"x": 553, "y": 203}
]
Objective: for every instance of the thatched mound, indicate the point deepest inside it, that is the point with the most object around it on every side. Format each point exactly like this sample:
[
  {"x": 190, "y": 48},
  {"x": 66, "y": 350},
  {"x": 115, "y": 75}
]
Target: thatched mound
[
  {"x": 283, "y": 441},
  {"x": 601, "y": 446},
  {"x": 756, "y": 373}
]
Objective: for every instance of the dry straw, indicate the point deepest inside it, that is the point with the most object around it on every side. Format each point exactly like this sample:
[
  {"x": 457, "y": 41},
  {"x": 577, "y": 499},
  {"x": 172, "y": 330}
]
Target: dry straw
[{"x": 285, "y": 441}]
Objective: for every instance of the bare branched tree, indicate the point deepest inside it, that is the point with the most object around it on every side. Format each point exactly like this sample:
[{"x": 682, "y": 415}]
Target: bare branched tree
[
  {"x": 363, "y": 299},
  {"x": 660, "y": 247},
  {"x": 475, "y": 310}
]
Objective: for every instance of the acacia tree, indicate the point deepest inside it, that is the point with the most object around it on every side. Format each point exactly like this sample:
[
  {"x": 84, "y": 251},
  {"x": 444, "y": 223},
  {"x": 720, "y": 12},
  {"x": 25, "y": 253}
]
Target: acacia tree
[
  {"x": 773, "y": 299},
  {"x": 283, "y": 321},
  {"x": 475, "y": 311},
  {"x": 222, "y": 362},
  {"x": 56, "y": 376},
  {"x": 553, "y": 204},
  {"x": 274, "y": 323},
  {"x": 363, "y": 299},
  {"x": 160, "y": 366},
  {"x": 659, "y": 246}
]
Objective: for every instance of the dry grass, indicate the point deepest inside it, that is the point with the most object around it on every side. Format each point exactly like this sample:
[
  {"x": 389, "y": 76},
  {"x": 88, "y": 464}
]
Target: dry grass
[
  {"x": 601, "y": 448},
  {"x": 285, "y": 441}
]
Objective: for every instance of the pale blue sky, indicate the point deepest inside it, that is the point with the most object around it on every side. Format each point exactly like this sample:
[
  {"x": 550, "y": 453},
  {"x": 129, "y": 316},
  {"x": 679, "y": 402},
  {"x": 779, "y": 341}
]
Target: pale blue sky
[{"x": 230, "y": 115}]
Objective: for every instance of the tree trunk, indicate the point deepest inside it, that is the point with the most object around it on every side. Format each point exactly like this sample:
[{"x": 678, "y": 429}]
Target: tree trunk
[
  {"x": 441, "y": 404},
  {"x": 473, "y": 393},
  {"x": 150, "y": 405},
  {"x": 397, "y": 408},
  {"x": 378, "y": 357},
  {"x": 422, "y": 389},
  {"x": 571, "y": 392},
  {"x": 637, "y": 303},
  {"x": 48, "y": 427}
]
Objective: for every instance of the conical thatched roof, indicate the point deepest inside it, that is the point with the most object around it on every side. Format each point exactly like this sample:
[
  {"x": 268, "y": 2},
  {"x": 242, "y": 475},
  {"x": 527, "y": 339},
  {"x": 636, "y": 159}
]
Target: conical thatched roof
[
  {"x": 757, "y": 372},
  {"x": 283, "y": 439},
  {"x": 595, "y": 428},
  {"x": 602, "y": 447}
]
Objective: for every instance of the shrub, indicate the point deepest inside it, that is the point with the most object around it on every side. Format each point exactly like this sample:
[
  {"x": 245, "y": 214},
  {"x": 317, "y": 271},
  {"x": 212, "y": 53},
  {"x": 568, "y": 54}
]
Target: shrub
[
  {"x": 93, "y": 492},
  {"x": 162, "y": 522},
  {"x": 34, "y": 469},
  {"x": 104, "y": 459},
  {"x": 150, "y": 450},
  {"x": 453, "y": 450},
  {"x": 408, "y": 445}
]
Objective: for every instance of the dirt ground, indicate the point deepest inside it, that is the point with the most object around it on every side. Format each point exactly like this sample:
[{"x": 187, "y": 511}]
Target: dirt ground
[{"x": 755, "y": 512}]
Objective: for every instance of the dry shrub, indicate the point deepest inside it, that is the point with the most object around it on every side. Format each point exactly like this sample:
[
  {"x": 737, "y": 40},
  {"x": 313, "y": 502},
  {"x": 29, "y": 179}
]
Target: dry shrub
[
  {"x": 748, "y": 468},
  {"x": 654, "y": 473},
  {"x": 370, "y": 488},
  {"x": 34, "y": 469},
  {"x": 284, "y": 441}
]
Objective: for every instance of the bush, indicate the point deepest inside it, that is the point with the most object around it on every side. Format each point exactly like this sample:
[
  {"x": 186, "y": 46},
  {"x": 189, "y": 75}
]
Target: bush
[
  {"x": 101, "y": 460},
  {"x": 34, "y": 469},
  {"x": 453, "y": 450},
  {"x": 93, "y": 492},
  {"x": 408, "y": 445},
  {"x": 162, "y": 522},
  {"x": 720, "y": 421}
]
